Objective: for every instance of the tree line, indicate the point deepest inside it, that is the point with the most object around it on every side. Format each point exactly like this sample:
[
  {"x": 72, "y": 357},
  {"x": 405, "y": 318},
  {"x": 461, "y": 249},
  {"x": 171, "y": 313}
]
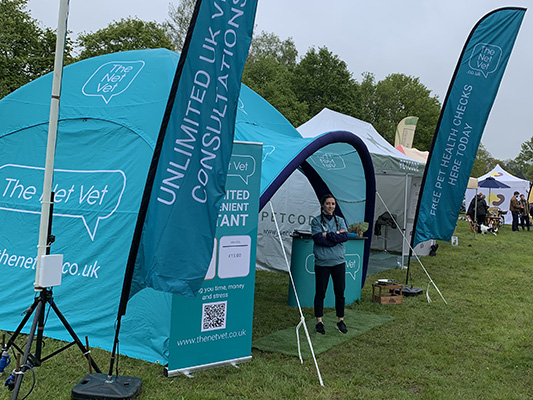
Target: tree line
[{"x": 297, "y": 86}]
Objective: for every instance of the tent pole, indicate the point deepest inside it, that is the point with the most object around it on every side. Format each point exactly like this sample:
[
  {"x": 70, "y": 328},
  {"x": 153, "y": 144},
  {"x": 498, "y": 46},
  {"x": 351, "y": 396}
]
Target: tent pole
[
  {"x": 302, "y": 318},
  {"x": 405, "y": 200},
  {"x": 52, "y": 137},
  {"x": 475, "y": 215},
  {"x": 411, "y": 252}
]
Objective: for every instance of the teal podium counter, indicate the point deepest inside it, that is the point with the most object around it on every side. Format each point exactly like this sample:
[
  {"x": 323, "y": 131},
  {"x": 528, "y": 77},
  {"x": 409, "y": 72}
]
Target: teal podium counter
[{"x": 303, "y": 271}]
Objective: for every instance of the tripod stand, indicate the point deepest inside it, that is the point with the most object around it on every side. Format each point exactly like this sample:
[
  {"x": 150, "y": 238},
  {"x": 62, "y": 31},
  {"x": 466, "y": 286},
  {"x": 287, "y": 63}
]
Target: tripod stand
[
  {"x": 38, "y": 307},
  {"x": 34, "y": 360}
]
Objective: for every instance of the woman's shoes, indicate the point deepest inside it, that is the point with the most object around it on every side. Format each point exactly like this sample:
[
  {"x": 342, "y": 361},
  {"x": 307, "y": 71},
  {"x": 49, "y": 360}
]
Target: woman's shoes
[{"x": 341, "y": 326}]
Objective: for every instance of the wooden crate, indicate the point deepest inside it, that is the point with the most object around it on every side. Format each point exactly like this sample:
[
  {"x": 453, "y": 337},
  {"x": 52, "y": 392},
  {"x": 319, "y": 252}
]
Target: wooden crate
[
  {"x": 387, "y": 294},
  {"x": 390, "y": 298}
]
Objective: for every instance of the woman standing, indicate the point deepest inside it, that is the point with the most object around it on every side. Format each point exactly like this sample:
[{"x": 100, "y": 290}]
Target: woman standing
[{"x": 329, "y": 233}]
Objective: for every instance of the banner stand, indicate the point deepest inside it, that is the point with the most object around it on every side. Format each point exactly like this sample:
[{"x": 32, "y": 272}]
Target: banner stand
[
  {"x": 214, "y": 329},
  {"x": 190, "y": 370},
  {"x": 462, "y": 120}
]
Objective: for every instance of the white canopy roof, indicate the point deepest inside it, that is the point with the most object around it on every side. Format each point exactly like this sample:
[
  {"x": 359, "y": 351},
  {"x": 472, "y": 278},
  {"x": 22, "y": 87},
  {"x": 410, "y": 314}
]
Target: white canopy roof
[
  {"x": 384, "y": 156},
  {"x": 503, "y": 176}
]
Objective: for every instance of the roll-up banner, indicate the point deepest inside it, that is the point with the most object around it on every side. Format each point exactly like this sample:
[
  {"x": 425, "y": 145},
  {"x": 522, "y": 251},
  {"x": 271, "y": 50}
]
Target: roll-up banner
[
  {"x": 463, "y": 117},
  {"x": 215, "y": 328}
]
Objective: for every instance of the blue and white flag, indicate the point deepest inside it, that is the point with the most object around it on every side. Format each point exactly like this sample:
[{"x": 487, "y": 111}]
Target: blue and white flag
[
  {"x": 173, "y": 243},
  {"x": 462, "y": 121}
]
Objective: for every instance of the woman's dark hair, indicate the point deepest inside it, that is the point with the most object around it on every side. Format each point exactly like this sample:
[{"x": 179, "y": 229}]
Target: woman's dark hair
[
  {"x": 325, "y": 197},
  {"x": 322, "y": 202}
]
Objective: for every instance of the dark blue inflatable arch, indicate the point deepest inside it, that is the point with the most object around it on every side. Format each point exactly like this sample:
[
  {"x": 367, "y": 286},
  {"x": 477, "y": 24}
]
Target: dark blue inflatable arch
[{"x": 321, "y": 188}]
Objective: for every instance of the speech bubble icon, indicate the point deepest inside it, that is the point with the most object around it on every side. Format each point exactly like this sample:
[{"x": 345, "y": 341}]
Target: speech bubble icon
[
  {"x": 112, "y": 79},
  {"x": 268, "y": 149},
  {"x": 91, "y": 196},
  {"x": 310, "y": 264},
  {"x": 485, "y": 58},
  {"x": 328, "y": 161},
  {"x": 95, "y": 195},
  {"x": 242, "y": 166},
  {"x": 240, "y": 106},
  {"x": 353, "y": 264},
  {"x": 352, "y": 261}
]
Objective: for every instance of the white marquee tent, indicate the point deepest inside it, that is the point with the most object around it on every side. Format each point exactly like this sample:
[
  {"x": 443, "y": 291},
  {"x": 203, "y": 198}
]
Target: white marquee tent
[{"x": 398, "y": 179}]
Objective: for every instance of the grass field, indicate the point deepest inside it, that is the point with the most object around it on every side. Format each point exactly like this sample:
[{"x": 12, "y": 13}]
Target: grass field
[{"x": 478, "y": 346}]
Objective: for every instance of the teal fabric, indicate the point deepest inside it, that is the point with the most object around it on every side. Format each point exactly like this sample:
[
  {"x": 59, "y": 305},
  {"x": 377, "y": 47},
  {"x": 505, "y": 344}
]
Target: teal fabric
[
  {"x": 105, "y": 143},
  {"x": 462, "y": 121},
  {"x": 179, "y": 228},
  {"x": 111, "y": 112}
]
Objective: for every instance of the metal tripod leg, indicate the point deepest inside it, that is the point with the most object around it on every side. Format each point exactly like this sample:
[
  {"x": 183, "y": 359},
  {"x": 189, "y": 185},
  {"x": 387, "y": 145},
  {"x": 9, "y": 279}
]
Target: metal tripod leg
[
  {"x": 29, "y": 360},
  {"x": 24, "y": 367},
  {"x": 40, "y": 331},
  {"x": 29, "y": 312},
  {"x": 73, "y": 335}
]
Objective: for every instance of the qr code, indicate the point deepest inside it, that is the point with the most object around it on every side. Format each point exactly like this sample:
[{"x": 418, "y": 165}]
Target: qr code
[{"x": 214, "y": 316}]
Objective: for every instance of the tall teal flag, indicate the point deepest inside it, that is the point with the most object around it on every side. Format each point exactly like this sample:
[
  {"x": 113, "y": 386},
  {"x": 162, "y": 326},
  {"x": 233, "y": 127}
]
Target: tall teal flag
[
  {"x": 462, "y": 121},
  {"x": 175, "y": 232}
]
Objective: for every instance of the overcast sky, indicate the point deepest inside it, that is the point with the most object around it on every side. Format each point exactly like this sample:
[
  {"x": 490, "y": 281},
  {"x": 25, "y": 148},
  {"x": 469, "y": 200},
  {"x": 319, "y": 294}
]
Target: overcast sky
[{"x": 421, "y": 38}]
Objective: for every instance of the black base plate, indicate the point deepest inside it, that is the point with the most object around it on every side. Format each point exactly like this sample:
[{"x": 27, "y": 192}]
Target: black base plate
[
  {"x": 411, "y": 291},
  {"x": 95, "y": 387}
]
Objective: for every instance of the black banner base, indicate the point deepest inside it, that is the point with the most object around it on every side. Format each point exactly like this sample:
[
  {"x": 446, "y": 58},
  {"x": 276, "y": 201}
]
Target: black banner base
[
  {"x": 411, "y": 291},
  {"x": 96, "y": 387}
]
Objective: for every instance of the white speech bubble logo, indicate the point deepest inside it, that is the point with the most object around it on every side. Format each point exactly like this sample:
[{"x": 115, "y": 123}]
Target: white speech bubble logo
[
  {"x": 353, "y": 264},
  {"x": 242, "y": 166},
  {"x": 240, "y": 106},
  {"x": 329, "y": 161},
  {"x": 21, "y": 186},
  {"x": 310, "y": 264},
  {"x": 112, "y": 79},
  {"x": 485, "y": 58},
  {"x": 268, "y": 149}
]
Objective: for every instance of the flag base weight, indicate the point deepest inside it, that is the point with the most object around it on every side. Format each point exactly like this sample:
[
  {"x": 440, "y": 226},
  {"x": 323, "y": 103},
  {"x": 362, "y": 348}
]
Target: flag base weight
[
  {"x": 411, "y": 291},
  {"x": 96, "y": 387}
]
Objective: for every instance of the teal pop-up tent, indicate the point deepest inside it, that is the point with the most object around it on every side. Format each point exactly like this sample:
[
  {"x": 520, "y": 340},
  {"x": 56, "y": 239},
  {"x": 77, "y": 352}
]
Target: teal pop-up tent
[{"x": 110, "y": 115}]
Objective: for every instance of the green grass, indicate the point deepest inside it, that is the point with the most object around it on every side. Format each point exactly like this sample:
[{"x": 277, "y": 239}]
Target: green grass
[{"x": 478, "y": 346}]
